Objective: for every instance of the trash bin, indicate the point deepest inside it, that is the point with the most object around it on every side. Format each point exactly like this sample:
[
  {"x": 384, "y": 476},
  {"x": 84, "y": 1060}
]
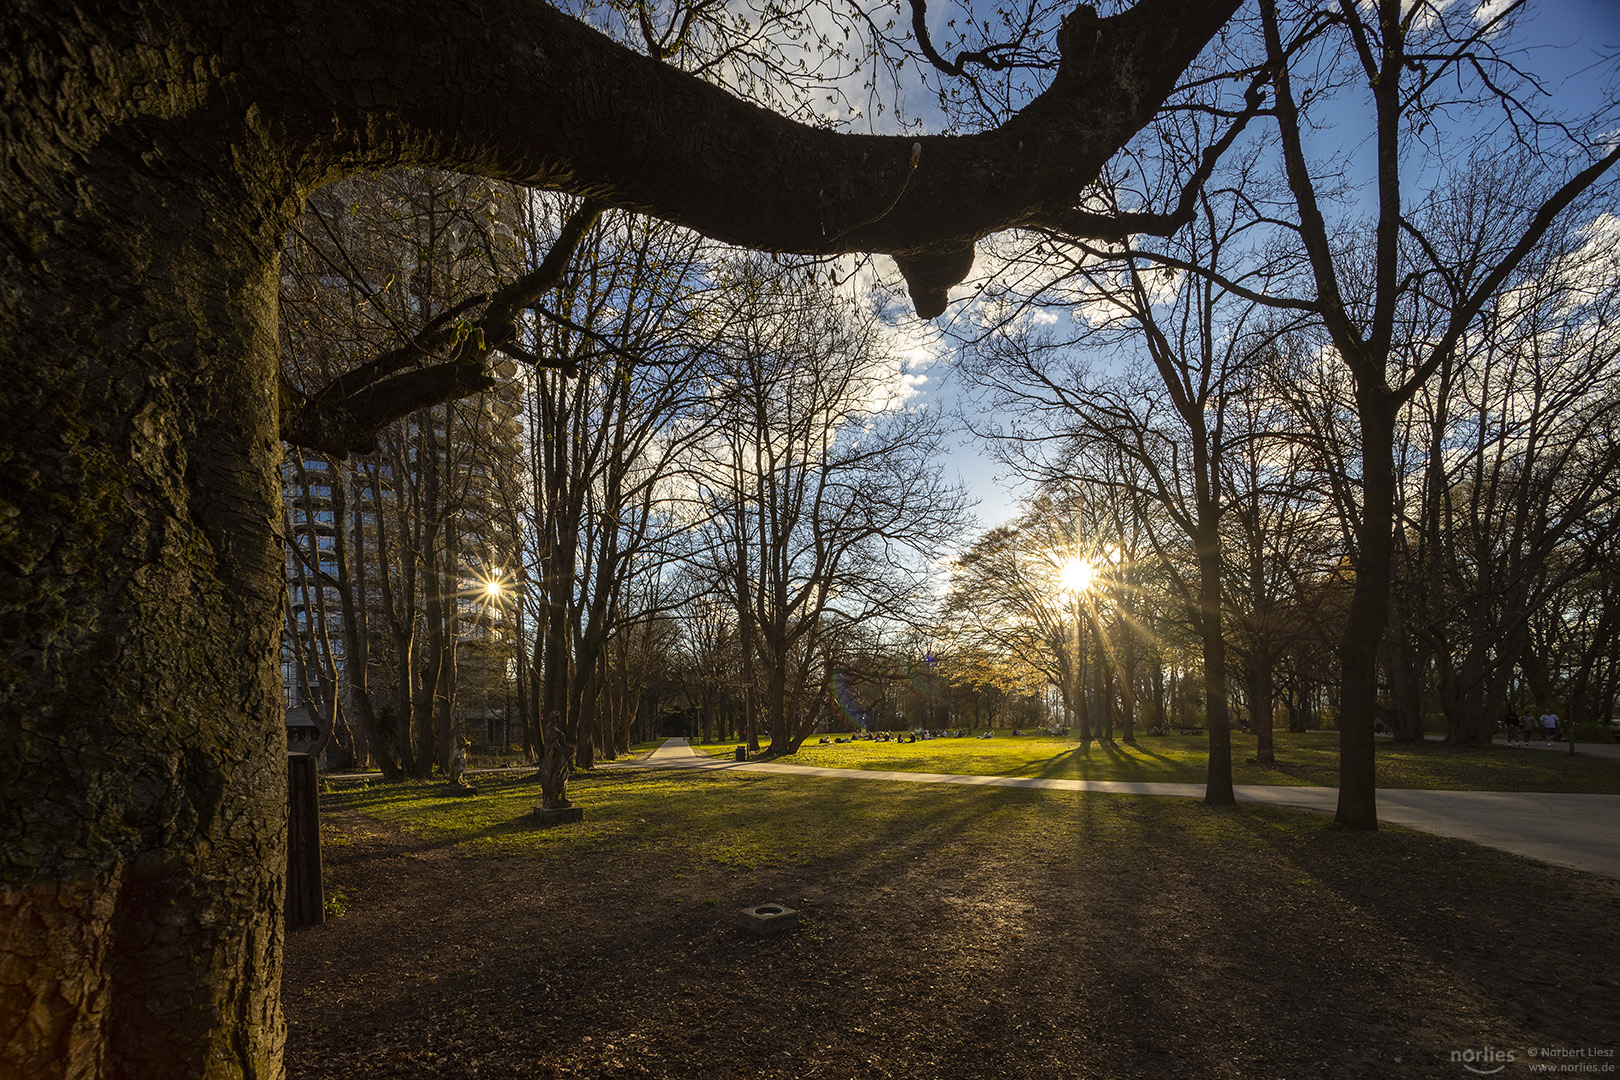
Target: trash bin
[{"x": 742, "y": 753}]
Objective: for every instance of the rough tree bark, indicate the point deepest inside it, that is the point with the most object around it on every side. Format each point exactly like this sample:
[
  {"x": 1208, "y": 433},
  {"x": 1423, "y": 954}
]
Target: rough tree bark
[
  {"x": 151, "y": 158},
  {"x": 140, "y": 585}
]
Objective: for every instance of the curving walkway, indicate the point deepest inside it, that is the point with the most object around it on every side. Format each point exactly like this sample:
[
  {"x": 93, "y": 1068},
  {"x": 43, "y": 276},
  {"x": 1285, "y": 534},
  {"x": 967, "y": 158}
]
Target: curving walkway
[{"x": 1581, "y": 832}]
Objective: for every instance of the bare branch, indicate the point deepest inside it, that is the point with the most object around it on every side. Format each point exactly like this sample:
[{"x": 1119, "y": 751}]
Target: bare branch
[{"x": 346, "y": 416}]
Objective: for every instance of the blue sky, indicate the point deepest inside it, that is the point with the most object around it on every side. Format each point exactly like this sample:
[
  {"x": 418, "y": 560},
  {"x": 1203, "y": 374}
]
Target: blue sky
[{"x": 1573, "y": 45}]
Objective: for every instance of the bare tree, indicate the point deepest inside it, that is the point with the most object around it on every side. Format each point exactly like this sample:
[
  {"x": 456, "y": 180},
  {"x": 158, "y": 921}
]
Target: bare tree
[
  {"x": 826, "y": 504},
  {"x": 1518, "y": 450},
  {"x": 1408, "y": 58},
  {"x": 608, "y": 427}
]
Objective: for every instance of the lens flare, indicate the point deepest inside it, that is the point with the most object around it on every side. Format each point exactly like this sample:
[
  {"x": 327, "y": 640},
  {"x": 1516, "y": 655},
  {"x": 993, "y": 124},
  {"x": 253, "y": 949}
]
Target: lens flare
[{"x": 1077, "y": 575}]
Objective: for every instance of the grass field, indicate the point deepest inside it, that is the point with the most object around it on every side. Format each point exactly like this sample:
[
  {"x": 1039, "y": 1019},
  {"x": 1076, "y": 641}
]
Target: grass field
[
  {"x": 746, "y": 821},
  {"x": 1308, "y": 759},
  {"x": 949, "y": 931}
]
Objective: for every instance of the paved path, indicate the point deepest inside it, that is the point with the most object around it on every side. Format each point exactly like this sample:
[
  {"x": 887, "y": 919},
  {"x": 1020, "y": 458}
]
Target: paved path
[
  {"x": 1604, "y": 750},
  {"x": 1577, "y": 831}
]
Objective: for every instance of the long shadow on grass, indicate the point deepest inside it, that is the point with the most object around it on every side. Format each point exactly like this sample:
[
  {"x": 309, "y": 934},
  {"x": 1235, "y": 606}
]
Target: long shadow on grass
[
  {"x": 1147, "y": 751},
  {"x": 1502, "y": 922},
  {"x": 1118, "y": 761},
  {"x": 414, "y": 807},
  {"x": 712, "y": 817},
  {"x": 867, "y": 829}
]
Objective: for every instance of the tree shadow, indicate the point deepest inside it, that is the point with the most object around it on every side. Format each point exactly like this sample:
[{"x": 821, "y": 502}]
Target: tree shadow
[
  {"x": 1492, "y": 919},
  {"x": 1123, "y": 762}
]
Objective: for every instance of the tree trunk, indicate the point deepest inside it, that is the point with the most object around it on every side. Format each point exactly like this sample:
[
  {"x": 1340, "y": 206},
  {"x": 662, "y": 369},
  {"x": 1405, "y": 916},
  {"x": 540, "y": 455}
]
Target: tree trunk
[
  {"x": 1260, "y": 704},
  {"x": 1218, "y": 785},
  {"x": 399, "y": 605},
  {"x": 430, "y": 643},
  {"x": 585, "y": 707},
  {"x": 1161, "y": 719},
  {"x": 1127, "y": 686},
  {"x": 1368, "y": 613},
  {"x": 750, "y": 700},
  {"x": 1082, "y": 711},
  {"x": 356, "y": 661},
  {"x": 448, "y": 737},
  {"x": 776, "y": 703},
  {"x": 527, "y": 699},
  {"x": 1462, "y": 696},
  {"x": 141, "y": 580},
  {"x": 1403, "y": 665},
  {"x": 1291, "y": 702},
  {"x": 405, "y": 696},
  {"x": 1101, "y": 691}
]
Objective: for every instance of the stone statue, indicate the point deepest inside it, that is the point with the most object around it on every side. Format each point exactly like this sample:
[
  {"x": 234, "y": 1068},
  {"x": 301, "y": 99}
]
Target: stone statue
[
  {"x": 455, "y": 773},
  {"x": 554, "y": 766}
]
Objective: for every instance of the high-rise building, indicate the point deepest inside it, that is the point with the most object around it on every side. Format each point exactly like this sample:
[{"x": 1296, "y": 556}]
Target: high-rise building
[{"x": 376, "y": 260}]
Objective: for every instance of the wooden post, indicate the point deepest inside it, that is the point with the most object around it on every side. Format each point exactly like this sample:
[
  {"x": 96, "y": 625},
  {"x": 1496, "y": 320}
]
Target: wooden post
[{"x": 306, "y": 905}]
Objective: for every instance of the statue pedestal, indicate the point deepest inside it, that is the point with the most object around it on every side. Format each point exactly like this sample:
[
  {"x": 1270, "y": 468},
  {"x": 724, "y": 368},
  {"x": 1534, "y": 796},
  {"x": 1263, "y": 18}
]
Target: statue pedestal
[{"x": 559, "y": 815}]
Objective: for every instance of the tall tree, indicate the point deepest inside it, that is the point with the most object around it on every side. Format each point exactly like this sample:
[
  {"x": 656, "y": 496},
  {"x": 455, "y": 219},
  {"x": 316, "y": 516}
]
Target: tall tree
[
  {"x": 827, "y": 504},
  {"x": 606, "y": 431},
  {"x": 1407, "y": 56},
  {"x": 1279, "y": 534},
  {"x": 1157, "y": 424}
]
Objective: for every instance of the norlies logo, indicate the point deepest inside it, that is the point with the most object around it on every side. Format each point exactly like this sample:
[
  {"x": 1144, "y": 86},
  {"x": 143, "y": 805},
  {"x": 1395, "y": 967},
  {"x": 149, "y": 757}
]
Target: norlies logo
[{"x": 1484, "y": 1061}]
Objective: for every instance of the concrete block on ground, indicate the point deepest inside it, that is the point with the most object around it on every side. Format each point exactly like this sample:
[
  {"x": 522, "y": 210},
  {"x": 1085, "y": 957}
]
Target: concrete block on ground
[{"x": 767, "y": 920}]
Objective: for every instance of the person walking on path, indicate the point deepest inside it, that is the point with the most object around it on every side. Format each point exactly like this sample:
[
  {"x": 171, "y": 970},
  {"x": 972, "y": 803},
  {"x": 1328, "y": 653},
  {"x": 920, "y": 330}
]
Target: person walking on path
[
  {"x": 1549, "y": 726},
  {"x": 1511, "y": 722}
]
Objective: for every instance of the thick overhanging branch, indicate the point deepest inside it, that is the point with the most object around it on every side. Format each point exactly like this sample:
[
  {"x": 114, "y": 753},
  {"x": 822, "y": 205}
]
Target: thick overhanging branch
[
  {"x": 542, "y": 99},
  {"x": 346, "y": 416},
  {"x": 350, "y": 425},
  {"x": 438, "y": 333}
]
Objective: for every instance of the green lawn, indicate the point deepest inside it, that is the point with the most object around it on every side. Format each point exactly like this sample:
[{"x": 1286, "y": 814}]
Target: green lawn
[
  {"x": 739, "y": 820},
  {"x": 1308, "y": 759},
  {"x": 748, "y": 821}
]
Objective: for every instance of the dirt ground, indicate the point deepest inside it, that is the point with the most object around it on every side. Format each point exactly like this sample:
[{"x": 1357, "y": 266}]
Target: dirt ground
[{"x": 948, "y": 963}]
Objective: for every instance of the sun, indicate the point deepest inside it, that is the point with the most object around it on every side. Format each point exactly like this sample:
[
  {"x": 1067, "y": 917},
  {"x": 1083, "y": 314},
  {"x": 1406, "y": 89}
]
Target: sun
[{"x": 1077, "y": 575}]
